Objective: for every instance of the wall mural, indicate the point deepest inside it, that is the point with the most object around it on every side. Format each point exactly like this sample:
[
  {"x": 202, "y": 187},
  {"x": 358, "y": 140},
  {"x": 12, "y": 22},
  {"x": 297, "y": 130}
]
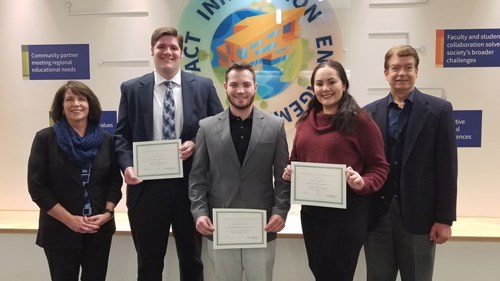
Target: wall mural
[{"x": 282, "y": 39}]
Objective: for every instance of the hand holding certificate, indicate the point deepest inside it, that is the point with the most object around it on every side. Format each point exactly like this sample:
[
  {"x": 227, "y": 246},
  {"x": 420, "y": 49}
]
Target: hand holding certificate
[
  {"x": 318, "y": 184},
  {"x": 157, "y": 159},
  {"x": 239, "y": 228}
]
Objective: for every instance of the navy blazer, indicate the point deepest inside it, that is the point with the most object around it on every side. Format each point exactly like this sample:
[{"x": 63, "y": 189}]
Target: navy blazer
[
  {"x": 429, "y": 167},
  {"x": 53, "y": 178},
  {"x": 135, "y": 117}
]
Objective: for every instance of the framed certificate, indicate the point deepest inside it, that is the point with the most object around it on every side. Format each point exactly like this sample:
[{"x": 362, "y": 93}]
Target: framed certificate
[
  {"x": 157, "y": 159},
  {"x": 318, "y": 184},
  {"x": 239, "y": 228}
]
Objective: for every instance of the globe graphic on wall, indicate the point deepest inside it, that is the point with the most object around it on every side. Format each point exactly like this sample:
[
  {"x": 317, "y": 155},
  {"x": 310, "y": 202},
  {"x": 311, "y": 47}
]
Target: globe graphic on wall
[{"x": 268, "y": 77}]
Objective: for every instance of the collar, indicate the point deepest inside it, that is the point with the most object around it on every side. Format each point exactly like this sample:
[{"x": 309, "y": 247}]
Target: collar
[
  {"x": 410, "y": 98},
  {"x": 160, "y": 79},
  {"x": 233, "y": 117}
]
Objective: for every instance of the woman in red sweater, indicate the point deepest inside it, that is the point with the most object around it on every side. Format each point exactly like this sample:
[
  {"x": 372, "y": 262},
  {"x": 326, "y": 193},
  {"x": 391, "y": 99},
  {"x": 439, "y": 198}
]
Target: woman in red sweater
[{"x": 334, "y": 129}]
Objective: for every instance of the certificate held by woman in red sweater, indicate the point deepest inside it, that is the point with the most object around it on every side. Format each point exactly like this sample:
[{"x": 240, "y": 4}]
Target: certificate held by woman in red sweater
[{"x": 335, "y": 130}]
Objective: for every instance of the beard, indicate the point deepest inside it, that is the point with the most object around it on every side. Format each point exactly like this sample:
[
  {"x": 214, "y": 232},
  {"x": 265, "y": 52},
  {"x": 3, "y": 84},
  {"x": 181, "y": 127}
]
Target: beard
[{"x": 241, "y": 106}]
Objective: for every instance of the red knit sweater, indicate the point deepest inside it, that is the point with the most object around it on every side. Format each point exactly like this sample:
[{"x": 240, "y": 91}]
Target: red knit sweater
[{"x": 363, "y": 149}]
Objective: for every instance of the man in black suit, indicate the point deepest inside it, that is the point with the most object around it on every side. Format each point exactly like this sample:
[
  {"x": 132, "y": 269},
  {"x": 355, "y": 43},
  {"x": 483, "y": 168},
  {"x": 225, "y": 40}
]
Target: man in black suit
[
  {"x": 416, "y": 207},
  {"x": 155, "y": 205}
]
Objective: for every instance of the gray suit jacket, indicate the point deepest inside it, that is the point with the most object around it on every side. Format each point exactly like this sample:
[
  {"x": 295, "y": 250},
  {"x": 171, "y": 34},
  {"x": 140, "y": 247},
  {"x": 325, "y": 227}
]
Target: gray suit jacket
[{"x": 217, "y": 178}]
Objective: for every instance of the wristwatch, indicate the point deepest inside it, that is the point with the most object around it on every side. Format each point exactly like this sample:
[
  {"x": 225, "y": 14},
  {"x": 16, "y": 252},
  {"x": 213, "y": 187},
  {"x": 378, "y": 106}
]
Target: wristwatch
[{"x": 111, "y": 211}]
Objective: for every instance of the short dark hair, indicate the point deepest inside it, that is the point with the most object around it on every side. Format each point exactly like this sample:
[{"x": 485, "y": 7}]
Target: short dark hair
[
  {"x": 401, "y": 51},
  {"x": 166, "y": 31},
  {"x": 80, "y": 89},
  {"x": 239, "y": 66}
]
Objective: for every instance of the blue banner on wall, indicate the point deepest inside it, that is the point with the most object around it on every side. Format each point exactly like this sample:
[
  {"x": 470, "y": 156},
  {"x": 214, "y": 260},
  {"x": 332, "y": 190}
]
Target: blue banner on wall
[
  {"x": 468, "y": 124},
  {"x": 108, "y": 121},
  {"x": 468, "y": 47},
  {"x": 56, "y": 62}
]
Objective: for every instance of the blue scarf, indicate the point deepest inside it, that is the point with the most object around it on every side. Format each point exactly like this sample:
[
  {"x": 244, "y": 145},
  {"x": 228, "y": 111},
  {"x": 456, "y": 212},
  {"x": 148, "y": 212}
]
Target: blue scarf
[{"x": 80, "y": 150}]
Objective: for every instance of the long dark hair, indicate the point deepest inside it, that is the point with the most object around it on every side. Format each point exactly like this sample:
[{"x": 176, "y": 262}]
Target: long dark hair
[{"x": 344, "y": 120}]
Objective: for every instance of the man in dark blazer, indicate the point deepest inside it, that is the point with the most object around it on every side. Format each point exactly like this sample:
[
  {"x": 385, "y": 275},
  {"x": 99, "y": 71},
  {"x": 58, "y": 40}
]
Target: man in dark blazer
[
  {"x": 416, "y": 207},
  {"x": 240, "y": 156},
  {"x": 155, "y": 205}
]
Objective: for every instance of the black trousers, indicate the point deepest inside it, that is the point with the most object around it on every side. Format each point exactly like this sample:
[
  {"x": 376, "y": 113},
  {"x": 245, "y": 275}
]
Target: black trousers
[
  {"x": 92, "y": 258},
  {"x": 165, "y": 203},
  {"x": 332, "y": 246}
]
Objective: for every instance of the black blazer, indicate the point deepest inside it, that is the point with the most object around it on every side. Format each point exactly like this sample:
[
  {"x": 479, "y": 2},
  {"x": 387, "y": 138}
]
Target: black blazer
[
  {"x": 135, "y": 117},
  {"x": 53, "y": 179},
  {"x": 429, "y": 167}
]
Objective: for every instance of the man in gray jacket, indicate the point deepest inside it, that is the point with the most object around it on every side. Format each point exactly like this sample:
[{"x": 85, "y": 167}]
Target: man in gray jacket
[{"x": 238, "y": 152}]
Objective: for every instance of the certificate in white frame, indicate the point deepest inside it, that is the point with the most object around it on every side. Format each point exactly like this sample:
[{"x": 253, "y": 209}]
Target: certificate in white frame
[
  {"x": 319, "y": 184},
  {"x": 239, "y": 228},
  {"x": 157, "y": 159}
]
